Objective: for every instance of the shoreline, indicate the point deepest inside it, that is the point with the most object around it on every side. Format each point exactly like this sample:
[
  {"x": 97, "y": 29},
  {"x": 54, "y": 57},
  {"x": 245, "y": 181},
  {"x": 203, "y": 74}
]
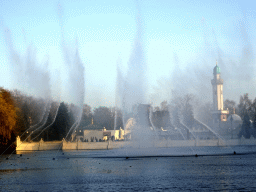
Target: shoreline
[{"x": 79, "y": 145}]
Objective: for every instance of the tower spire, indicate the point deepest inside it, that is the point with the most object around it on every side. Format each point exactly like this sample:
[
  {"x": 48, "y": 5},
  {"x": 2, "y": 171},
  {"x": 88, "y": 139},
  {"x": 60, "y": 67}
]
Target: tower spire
[{"x": 217, "y": 88}]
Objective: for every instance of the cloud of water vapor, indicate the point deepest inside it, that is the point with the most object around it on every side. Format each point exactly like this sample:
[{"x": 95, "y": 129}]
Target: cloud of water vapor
[
  {"x": 119, "y": 85},
  {"x": 237, "y": 71},
  {"x": 75, "y": 89},
  {"x": 27, "y": 75},
  {"x": 135, "y": 81}
]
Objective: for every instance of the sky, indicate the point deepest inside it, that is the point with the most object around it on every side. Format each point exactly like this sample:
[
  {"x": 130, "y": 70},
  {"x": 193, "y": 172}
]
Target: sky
[{"x": 181, "y": 42}]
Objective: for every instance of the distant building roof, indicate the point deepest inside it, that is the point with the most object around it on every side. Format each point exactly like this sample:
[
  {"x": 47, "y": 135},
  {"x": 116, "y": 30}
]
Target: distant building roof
[{"x": 235, "y": 117}]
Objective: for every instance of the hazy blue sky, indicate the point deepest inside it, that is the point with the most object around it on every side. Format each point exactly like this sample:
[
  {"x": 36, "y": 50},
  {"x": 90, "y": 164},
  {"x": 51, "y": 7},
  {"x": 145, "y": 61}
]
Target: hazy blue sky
[{"x": 197, "y": 32}]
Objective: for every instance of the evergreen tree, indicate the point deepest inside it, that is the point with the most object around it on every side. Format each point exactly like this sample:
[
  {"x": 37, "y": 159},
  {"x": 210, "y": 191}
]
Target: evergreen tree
[
  {"x": 244, "y": 106},
  {"x": 61, "y": 122},
  {"x": 245, "y": 129},
  {"x": 73, "y": 117},
  {"x": 52, "y": 132}
]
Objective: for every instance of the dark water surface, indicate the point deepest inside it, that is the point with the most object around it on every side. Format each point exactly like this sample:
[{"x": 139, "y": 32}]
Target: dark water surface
[{"x": 132, "y": 170}]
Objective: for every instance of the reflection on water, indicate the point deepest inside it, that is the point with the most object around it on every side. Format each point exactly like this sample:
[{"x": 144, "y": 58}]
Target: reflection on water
[{"x": 110, "y": 170}]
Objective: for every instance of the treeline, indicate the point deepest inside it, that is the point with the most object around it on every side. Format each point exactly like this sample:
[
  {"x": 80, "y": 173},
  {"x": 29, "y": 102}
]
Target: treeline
[
  {"x": 35, "y": 118},
  {"x": 7, "y": 119}
]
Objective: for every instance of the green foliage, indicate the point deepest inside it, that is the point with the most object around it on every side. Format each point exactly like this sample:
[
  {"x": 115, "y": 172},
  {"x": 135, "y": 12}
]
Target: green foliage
[
  {"x": 61, "y": 122},
  {"x": 59, "y": 129}
]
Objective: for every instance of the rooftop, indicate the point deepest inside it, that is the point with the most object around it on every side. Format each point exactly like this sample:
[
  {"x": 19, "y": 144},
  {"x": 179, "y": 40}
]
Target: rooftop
[{"x": 216, "y": 69}]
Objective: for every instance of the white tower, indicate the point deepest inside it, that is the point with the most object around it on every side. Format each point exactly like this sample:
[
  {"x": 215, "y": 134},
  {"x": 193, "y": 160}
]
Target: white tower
[{"x": 217, "y": 88}]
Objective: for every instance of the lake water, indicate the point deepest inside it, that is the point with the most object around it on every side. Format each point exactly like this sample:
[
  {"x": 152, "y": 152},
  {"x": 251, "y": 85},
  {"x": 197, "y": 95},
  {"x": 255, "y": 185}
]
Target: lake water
[{"x": 169, "y": 169}]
